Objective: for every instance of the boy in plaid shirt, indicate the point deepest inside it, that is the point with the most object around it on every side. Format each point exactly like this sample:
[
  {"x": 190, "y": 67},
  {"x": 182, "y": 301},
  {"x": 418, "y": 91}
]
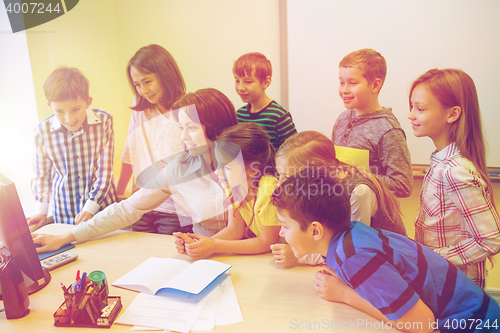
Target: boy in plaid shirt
[{"x": 73, "y": 161}]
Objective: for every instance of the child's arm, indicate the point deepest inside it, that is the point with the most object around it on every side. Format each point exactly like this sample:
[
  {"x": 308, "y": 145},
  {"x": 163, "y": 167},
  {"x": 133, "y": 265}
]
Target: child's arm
[
  {"x": 285, "y": 128},
  {"x": 41, "y": 182},
  {"x": 482, "y": 220},
  {"x": 125, "y": 174},
  {"x": 103, "y": 182},
  {"x": 126, "y": 170},
  {"x": 331, "y": 288},
  {"x": 283, "y": 254},
  {"x": 180, "y": 240},
  {"x": 82, "y": 217},
  {"x": 395, "y": 160},
  {"x": 363, "y": 204},
  {"x": 230, "y": 240},
  {"x": 205, "y": 246}
]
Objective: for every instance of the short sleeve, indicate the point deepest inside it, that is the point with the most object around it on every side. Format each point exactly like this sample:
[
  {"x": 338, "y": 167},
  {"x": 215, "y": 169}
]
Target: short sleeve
[
  {"x": 363, "y": 204},
  {"x": 377, "y": 281},
  {"x": 267, "y": 212}
]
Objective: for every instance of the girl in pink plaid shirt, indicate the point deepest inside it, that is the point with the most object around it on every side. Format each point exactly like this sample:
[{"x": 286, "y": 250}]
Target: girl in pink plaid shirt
[{"x": 457, "y": 216}]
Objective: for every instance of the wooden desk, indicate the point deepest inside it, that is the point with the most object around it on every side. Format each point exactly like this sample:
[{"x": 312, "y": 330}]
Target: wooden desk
[{"x": 272, "y": 298}]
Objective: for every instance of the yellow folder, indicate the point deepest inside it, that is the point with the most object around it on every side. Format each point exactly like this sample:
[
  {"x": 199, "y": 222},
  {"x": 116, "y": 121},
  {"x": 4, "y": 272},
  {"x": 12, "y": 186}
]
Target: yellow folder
[{"x": 353, "y": 156}]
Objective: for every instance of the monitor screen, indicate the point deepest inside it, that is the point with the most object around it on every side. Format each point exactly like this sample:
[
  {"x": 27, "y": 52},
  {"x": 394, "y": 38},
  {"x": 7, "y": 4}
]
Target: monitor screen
[{"x": 15, "y": 235}]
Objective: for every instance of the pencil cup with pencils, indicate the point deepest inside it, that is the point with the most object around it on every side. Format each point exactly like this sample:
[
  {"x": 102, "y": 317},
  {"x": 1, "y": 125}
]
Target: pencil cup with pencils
[{"x": 87, "y": 304}]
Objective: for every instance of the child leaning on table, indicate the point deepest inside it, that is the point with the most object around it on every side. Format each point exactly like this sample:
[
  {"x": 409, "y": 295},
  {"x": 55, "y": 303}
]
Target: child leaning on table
[
  {"x": 371, "y": 202},
  {"x": 73, "y": 161},
  {"x": 252, "y": 74},
  {"x": 246, "y": 168},
  {"x": 386, "y": 275},
  {"x": 367, "y": 125},
  {"x": 457, "y": 216}
]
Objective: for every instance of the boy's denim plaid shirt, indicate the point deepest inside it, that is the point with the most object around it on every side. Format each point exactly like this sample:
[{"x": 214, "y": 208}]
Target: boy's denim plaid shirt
[{"x": 74, "y": 171}]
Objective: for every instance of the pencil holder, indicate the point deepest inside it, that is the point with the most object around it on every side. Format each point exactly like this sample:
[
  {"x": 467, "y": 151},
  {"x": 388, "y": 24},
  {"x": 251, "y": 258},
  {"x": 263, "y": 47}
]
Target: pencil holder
[{"x": 90, "y": 307}]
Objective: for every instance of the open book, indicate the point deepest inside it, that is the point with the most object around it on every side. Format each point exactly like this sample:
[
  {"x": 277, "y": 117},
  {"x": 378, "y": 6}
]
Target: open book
[{"x": 157, "y": 274}]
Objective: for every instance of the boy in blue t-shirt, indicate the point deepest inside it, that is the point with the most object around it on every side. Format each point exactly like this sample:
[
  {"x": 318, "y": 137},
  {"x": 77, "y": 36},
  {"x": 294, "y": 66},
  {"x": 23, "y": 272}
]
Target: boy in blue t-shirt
[
  {"x": 386, "y": 275},
  {"x": 73, "y": 161},
  {"x": 252, "y": 74}
]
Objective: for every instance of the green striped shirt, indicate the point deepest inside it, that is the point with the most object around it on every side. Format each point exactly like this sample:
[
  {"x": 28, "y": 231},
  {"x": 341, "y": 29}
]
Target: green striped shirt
[{"x": 274, "y": 118}]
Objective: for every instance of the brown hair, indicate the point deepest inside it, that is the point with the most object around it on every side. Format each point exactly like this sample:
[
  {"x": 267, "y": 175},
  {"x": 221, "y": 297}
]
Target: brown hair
[
  {"x": 212, "y": 109},
  {"x": 313, "y": 150},
  {"x": 256, "y": 149},
  {"x": 244, "y": 65},
  {"x": 368, "y": 61},
  {"x": 454, "y": 87},
  {"x": 66, "y": 83},
  {"x": 155, "y": 59},
  {"x": 314, "y": 195},
  {"x": 253, "y": 142}
]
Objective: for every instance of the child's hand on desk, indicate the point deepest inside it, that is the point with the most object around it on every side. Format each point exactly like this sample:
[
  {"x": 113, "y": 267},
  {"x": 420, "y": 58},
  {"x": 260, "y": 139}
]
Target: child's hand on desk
[
  {"x": 283, "y": 254},
  {"x": 329, "y": 286},
  {"x": 36, "y": 221},
  {"x": 180, "y": 240},
  {"x": 52, "y": 242},
  {"x": 82, "y": 217},
  {"x": 201, "y": 248}
]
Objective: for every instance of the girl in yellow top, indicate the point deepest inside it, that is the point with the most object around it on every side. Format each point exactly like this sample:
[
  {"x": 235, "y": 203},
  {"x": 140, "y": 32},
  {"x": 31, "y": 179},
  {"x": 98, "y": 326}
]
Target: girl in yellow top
[{"x": 246, "y": 168}]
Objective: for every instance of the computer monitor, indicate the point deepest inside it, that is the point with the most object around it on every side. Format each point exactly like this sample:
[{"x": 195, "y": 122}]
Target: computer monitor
[{"x": 15, "y": 235}]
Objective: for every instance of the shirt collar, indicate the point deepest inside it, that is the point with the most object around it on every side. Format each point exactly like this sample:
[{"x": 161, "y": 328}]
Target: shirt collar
[
  {"x": 91, "y": 119},
  {"x": 332, "y": 248},
  {"x": 445, "y": 153}
]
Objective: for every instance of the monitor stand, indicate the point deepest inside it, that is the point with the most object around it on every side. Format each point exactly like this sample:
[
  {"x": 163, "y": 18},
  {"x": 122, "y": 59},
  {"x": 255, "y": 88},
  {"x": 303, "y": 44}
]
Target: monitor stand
[{"x": 32, "y": 286}]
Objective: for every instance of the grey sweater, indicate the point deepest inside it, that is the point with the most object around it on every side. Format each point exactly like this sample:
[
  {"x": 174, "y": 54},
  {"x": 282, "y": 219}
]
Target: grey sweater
[{"x": 381, "y": 134}]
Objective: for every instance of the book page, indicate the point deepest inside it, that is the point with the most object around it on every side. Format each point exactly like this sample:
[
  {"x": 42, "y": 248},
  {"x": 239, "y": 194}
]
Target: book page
[
  {"x": 197, "y": 276},
  {"x": 151, "y": 275}
]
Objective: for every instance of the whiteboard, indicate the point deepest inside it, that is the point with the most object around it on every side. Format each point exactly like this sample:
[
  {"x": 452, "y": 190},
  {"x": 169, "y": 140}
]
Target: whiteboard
[{"x": 413, "y": 37}]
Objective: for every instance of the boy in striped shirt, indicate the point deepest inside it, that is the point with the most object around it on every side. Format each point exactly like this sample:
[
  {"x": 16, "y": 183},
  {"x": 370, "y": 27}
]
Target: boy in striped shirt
[
  {"x": 394, "y": 279},
  {"x": 252, "y": 73},
  {"x": 73, "y": 161}
]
